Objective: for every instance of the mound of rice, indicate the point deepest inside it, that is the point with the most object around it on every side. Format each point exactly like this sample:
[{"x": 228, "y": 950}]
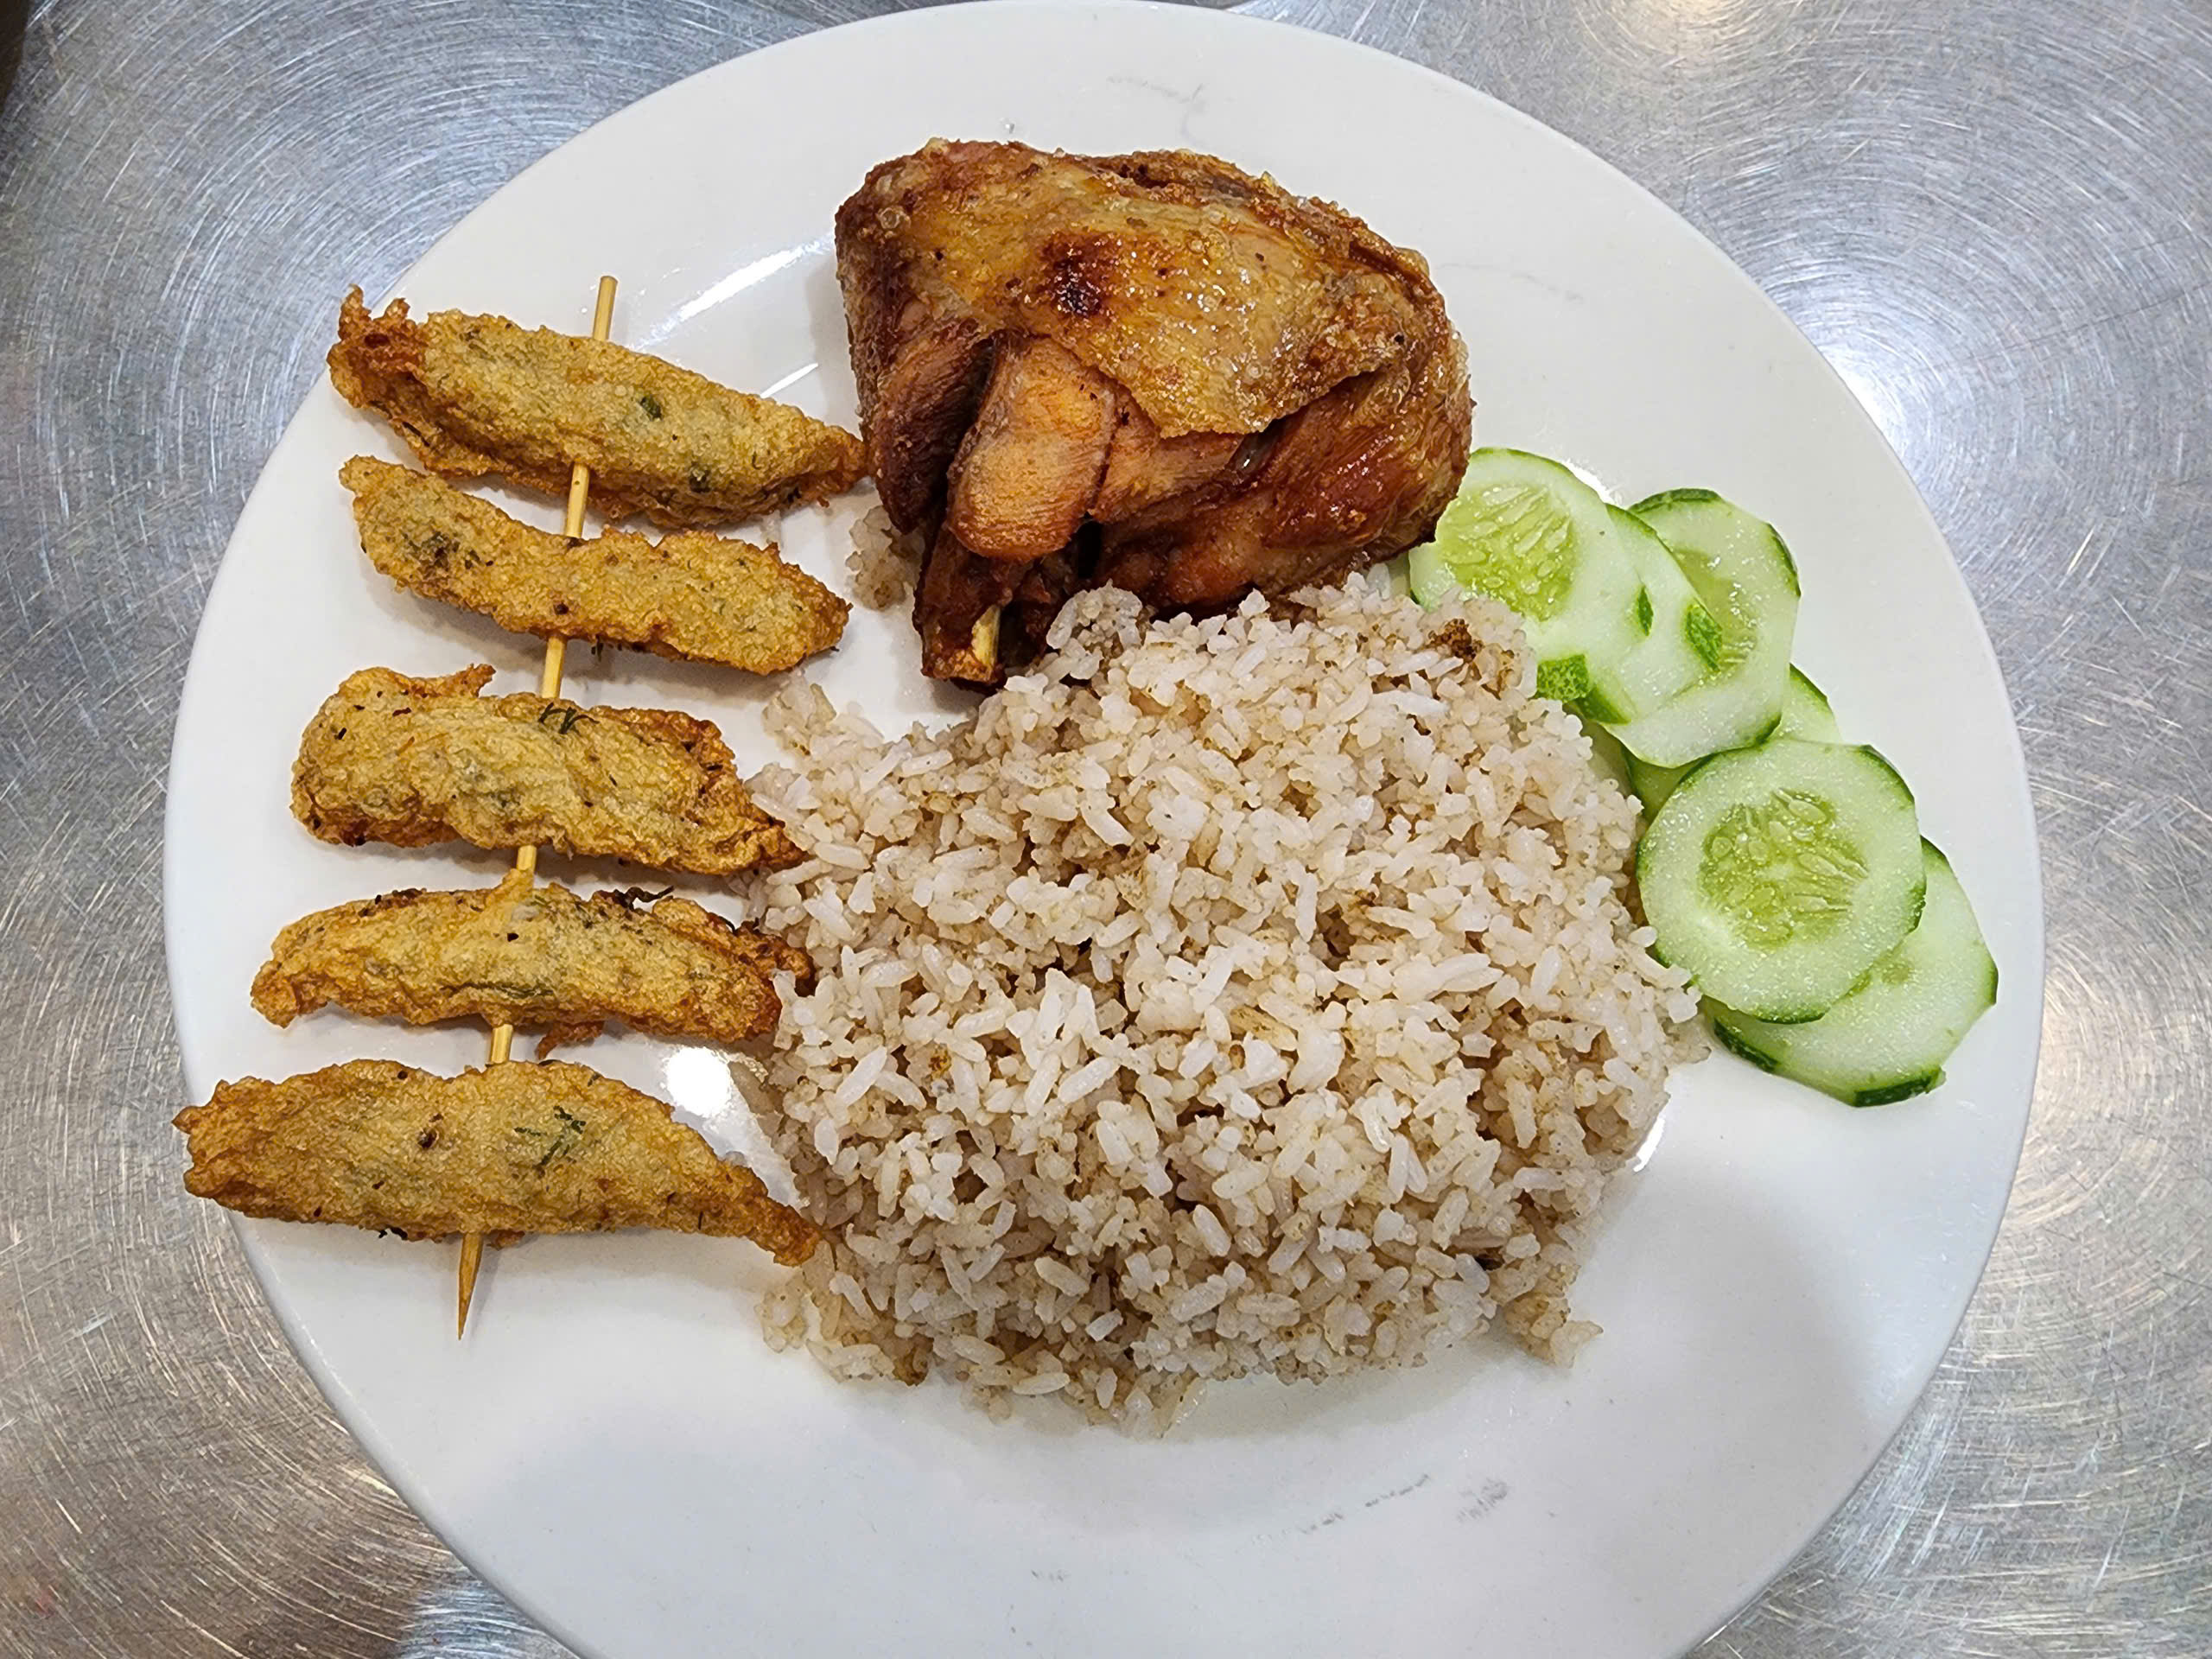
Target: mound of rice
[{"x": 1253, "y": 994}]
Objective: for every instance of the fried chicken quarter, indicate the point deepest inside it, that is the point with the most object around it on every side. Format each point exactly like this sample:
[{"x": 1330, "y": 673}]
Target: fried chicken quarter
[{"x": 1153, "y": 370}]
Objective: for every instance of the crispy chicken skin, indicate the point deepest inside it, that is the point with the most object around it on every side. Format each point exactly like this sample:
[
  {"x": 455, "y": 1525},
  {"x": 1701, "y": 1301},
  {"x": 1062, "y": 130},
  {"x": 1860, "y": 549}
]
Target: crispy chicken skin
[
  {"x": 1218, "y": 300},
  {"x": 477, "y": 395},
  {"x": 691, "y": 596},
  {"x": 917, "y": 404},
  {"x": 415, "y": 761},
  {"x": 514, "y": 1148},
  {"x": 537, "y": 956},
  {"x": 1287, "y": 398},
  {"x": 1359, "y": 475}
]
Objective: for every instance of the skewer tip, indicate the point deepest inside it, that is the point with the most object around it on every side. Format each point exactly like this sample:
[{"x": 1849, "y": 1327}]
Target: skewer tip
[{"x": 472, "y": 1257}]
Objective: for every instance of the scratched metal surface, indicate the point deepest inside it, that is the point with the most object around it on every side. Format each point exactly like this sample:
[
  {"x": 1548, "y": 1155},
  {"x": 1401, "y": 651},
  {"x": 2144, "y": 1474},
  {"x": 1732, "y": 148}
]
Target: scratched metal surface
[{"x": 1993, "y": 216}]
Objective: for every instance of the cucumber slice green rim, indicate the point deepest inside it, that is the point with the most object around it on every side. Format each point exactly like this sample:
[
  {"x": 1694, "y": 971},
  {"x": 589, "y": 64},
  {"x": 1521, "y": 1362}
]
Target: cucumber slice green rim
[
  {"x": 1805, "y": 712},
  {"x": 1778, "y": 876},
  {"x": 1888, "y": 1039},
  {"x": 1607, "y": 759},
  {"x": 1691, "y": 497},
  {"x": 1743, "y": 573},
  {"x": 1681, "y": 642},
  {"x": 1651, "y": 784}
]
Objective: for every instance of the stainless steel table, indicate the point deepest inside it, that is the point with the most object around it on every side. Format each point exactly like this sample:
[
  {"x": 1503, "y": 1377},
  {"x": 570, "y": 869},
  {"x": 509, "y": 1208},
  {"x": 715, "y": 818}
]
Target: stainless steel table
[{"x": 1993, "y": 215}]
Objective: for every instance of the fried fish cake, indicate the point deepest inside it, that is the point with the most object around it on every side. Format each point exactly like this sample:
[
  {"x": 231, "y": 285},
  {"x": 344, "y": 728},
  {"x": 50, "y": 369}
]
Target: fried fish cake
[
  {"x": 473, "y": 395},
  {"x": 535, "y": 956},
  {"x": 514, "y": 1148},
  {"x": 692, "y": 597},
  {"x": 411, "y": 762}
]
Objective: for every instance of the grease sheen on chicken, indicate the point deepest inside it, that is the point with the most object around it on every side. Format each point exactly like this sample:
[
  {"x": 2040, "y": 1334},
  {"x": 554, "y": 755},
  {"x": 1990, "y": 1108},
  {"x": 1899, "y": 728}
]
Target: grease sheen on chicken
[{"x": 1153, "y": 370}]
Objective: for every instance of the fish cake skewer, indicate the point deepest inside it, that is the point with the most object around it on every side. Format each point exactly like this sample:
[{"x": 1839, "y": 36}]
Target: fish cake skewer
[
  {"x": 478, "y": 395},
  {"x": 545, "y": 957},
  {"x": 510, "y": 1148},
  {"x": 412, "y": 762},
  {"x": 691, "y": 596}
]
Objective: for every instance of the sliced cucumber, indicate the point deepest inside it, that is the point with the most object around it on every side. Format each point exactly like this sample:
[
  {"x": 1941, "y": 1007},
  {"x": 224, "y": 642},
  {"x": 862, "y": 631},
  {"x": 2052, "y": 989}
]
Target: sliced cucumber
[
  {"x": 1528, "y": 533},
  {"x": 1742, "y": 571},
  {"x": 1778, "y": 876},
  {"x": 1652, "y": 784},
  {"x": 1681, "y": 642},
  {"x": 1889, "y": 1039},
  {"x": 1805, "y": 712},
  {"x": 1607, "y": 759}
]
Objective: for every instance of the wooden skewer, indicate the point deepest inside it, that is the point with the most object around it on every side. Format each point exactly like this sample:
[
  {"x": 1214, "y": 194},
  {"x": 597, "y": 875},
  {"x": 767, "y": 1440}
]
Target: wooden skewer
[{"x": 548, "y": 685}]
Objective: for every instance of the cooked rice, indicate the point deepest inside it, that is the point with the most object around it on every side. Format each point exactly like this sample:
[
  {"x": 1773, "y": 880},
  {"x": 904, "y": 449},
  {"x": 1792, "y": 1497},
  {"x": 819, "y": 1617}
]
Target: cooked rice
[
  {"x": 1253, "y": 994},
  {"x": 883, "y": 563}
]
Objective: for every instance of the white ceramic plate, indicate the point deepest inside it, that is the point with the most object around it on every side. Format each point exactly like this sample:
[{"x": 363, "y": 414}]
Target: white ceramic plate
[{"x": 614, "y": 1446}]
